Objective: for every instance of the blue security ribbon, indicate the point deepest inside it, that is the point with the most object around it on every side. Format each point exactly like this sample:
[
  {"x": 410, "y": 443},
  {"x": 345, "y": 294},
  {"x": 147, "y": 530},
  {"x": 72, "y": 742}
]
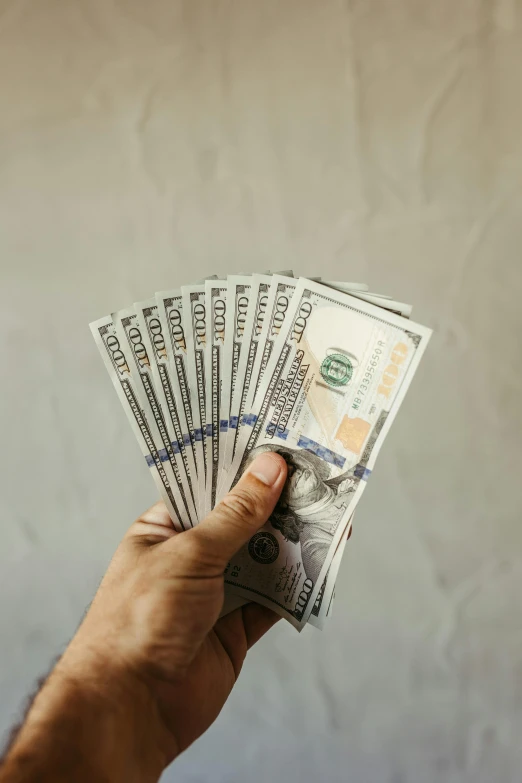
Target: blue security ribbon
[{"x": 326, "y": 454}]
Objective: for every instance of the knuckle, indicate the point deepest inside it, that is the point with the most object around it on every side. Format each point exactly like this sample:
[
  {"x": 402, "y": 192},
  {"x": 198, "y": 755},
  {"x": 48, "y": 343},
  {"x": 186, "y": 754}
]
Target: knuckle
[
  {"x": 241, "y": 505},
  {"x": 188, "y": 548},
  {"x": 194, "y": 553}
]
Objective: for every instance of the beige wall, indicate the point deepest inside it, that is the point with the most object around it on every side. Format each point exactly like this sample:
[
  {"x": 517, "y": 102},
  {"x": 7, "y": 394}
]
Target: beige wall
[{"x": 145, "y": 144}]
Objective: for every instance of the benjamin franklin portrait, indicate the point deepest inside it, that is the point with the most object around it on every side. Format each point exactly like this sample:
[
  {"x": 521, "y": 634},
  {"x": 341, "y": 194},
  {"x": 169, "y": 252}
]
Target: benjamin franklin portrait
[{"x": 310, "y": 504}]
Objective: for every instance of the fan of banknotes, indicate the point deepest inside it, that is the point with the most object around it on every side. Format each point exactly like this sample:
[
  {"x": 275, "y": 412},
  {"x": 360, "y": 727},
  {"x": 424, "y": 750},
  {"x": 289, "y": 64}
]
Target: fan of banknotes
[{"x": 212, "y": 374}]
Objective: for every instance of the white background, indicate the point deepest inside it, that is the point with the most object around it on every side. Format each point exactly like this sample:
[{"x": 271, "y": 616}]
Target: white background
[{"x": 147, "y": 144}]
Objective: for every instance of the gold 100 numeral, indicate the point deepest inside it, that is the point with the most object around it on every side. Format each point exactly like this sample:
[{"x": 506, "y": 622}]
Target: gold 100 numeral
[{"x": 391, "y": 372}]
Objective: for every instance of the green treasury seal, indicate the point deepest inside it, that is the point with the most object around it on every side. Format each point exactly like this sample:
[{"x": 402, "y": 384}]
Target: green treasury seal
[{"x": 337, "y": 369}]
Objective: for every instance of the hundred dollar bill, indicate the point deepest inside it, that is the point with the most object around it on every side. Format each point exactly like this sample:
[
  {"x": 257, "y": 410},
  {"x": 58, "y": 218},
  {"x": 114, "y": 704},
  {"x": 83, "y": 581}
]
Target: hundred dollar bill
[
  {"x": 337, "y": 375},
  {"x": 247, "y": 331},
  {"x": 245, "y": 314},
  {"x": 268, "y": 319},
  {"x": 195, "y": 328},
  {"x": 170, "y": 308},
  {"x": 350, "y": 288},
  {"x": 400, "y": 308},
  {"x": 130, "y": 334},
  {"x": 324, "y": 598},
  {"x": 239, "y": 294},
  {"x": 239, "y": 353},
  {"x": 158, "y": 349},
  {"x": 268, "y": 323},
  {"x": 323, "y": 602},
  {"x": 216, "y": 384},
  {"x": 278, "y": 302},
  {"x": 280, "y": 295},
  {"x": 118, "y": 362},
  {"x": 170, "y": 311},
  {"x": 244, "y": 325}
]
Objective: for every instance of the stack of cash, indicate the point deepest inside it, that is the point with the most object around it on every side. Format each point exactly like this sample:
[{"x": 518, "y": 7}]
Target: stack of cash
[{"x": 212, "y": 374}]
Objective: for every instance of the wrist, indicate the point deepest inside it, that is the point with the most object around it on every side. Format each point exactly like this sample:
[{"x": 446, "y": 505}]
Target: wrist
[
  {"x": 124, "y": 699},
  {"x": 93, "y": 720}
]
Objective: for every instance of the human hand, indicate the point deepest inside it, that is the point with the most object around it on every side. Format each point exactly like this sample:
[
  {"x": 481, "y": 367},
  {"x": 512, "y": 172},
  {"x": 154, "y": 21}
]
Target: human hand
[{"x": 153, "y": 629}]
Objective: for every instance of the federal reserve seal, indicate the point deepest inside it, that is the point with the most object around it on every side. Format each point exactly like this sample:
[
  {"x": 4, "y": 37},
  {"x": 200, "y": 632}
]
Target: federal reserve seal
[
  {"x": 337, "y": 369},
  {"x": 263, "y": 548}
]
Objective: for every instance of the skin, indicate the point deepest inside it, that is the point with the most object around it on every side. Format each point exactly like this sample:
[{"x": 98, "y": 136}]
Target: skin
[{"x": 151, "y": 665}]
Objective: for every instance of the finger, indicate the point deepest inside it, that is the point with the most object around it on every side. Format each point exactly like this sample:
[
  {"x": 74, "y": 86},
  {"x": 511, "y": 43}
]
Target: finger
[
  {"x": 157, "y": 515},
  {"x": 257, "y": 620},
  {"x": 241, "y": 629},
  {"x": 239, "y": 515},
  {"x": 153, "y": 526}
]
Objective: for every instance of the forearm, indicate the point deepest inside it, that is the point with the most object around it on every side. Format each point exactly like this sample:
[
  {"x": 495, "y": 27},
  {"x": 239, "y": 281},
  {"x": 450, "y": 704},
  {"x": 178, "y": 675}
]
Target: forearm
[{"x": 88, "y": 724}]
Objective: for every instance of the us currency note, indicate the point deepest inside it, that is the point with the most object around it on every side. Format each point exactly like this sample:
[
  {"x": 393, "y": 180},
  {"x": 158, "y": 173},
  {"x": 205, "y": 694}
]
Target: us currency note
[
  {"x": 268, "y": 323},
  {"x": 130, "y": 334},
  {"x": 170, "y": 311},
  {"x": 280, "y": 295},
  {"x": 347, "y": 287},
  {"x": 279, "y": 298},
  {"x": 118, "y": 363},
  {"x": 239, "y": 350},
  {"x": 268, "y": 318},
  {"x": 195, "y": 329},
  {"x": 400, "y": 308},
  {"x": 238, "y": 297},
  {"x": 157, "y": 348},
  {"x": 342, "y": 286},
  {"x": 242, "y": 352},
  {"x": 337, "y": 375},
  {"x": 248, "y": 297},
  {"x": 217, "y": 408},
  {"x": 323, "y": 601}
]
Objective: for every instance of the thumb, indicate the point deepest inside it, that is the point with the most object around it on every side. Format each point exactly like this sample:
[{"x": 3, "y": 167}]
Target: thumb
[{"x": 241, "y": 513}]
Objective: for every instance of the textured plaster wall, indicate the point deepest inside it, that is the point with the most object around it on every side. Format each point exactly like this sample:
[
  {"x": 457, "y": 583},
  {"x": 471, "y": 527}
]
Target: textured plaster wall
[{"x": 146, "y": 144}]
